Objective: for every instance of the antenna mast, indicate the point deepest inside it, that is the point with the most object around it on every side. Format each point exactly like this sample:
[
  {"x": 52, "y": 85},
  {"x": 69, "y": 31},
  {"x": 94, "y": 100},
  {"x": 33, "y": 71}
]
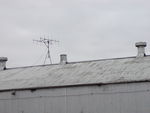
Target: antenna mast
[{"x": 47, "y": 43}]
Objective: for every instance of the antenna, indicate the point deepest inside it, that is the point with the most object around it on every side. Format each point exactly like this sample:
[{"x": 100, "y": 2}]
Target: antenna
[{"x": 47, "y": 42}]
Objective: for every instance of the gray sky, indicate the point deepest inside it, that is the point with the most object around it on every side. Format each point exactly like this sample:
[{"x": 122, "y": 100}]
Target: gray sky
[{"x": 86, "y": 29}]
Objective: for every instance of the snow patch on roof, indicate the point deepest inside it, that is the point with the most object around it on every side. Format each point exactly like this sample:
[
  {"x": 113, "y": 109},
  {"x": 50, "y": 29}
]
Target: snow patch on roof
[{"x": 92, "y": 72}]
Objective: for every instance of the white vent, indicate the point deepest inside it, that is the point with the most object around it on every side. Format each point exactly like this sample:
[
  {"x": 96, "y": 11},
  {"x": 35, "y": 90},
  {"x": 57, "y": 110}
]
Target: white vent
[
  {"x": 3, "y": 63},
  {"x": 141, "y": 48},
  {"x": 63, "y": 59}
]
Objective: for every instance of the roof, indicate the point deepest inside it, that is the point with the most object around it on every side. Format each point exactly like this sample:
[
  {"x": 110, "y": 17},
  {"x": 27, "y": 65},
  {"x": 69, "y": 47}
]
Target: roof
[{"x": 89, "y": 72}]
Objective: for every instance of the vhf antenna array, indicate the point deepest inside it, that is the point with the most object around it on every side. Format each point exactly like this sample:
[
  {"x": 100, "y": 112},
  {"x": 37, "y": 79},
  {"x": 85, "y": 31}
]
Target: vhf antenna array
[{"x": 47, "y": 43}]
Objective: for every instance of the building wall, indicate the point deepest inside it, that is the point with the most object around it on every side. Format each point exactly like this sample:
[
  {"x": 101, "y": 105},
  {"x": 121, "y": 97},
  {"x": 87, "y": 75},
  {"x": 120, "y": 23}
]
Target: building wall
[{"x": 116, "y": 98}]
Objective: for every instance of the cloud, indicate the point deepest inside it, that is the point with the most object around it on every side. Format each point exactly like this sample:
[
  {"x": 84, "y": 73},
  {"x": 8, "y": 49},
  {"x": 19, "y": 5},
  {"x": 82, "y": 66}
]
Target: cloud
[{"x": 86, "y": 29}]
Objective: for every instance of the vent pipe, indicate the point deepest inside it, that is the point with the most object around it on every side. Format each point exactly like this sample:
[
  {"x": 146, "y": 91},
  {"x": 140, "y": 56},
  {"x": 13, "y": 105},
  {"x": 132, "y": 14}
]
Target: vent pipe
[
  {"x": 141, "y": 48},
  {"x": 3, "y": 63},
  {"x": 63, "y": 59}
]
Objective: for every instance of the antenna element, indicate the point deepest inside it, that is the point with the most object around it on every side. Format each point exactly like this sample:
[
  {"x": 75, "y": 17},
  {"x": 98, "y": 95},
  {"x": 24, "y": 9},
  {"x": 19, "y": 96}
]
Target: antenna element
[{"x": 47, "y": 43}]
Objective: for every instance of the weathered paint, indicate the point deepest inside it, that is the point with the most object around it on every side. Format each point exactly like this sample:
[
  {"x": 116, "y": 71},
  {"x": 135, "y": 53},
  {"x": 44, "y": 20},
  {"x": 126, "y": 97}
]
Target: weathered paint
[
  {"x": 90, "y": 72},
  {"x": 116, "y": 98}
]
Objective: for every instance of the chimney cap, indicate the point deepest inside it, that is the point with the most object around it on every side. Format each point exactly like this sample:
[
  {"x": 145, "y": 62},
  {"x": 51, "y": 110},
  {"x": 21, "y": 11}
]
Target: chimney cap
[
  {"x": 141, "y": 44},
  {"x": 63, "y": 54},
  {"x": 3, "y": 58}
]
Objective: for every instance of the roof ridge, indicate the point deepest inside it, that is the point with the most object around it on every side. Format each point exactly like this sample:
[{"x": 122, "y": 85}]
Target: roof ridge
[{"x": 75, "y": 62}]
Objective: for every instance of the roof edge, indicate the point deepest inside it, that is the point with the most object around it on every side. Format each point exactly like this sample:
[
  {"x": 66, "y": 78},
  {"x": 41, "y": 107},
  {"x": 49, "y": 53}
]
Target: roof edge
[
  {"x": 75, "y": 85},
  {"x": 75, "y": 62}
]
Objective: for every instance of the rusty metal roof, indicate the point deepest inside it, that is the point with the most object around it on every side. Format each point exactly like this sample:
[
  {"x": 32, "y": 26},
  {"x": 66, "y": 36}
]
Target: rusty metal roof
[{"x": 89, "y": 72}]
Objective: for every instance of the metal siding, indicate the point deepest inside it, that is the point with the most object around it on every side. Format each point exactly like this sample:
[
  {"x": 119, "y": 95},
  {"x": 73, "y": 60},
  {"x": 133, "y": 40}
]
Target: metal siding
[
  {"x": 2, "y": 106},
  {"x": 118, "y": 98}
]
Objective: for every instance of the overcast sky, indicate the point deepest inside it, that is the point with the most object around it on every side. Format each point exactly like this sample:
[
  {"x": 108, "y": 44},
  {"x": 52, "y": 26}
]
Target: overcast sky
[{"x": 86, "y": 29}]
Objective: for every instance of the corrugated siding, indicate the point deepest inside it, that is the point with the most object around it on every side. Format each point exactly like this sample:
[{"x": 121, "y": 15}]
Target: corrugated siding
[
  {"x": 102, "y": 71},
  {"x": 122, "y": 98}
]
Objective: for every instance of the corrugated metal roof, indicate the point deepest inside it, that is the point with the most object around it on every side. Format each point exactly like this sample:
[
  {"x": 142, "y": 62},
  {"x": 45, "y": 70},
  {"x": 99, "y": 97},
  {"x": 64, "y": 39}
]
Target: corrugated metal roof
[{"x": 90, "y": 72}]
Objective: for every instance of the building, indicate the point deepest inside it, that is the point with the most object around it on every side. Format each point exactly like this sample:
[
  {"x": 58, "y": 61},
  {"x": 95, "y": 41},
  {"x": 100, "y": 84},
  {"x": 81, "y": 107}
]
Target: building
[{"x": 120, "y": 85}]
